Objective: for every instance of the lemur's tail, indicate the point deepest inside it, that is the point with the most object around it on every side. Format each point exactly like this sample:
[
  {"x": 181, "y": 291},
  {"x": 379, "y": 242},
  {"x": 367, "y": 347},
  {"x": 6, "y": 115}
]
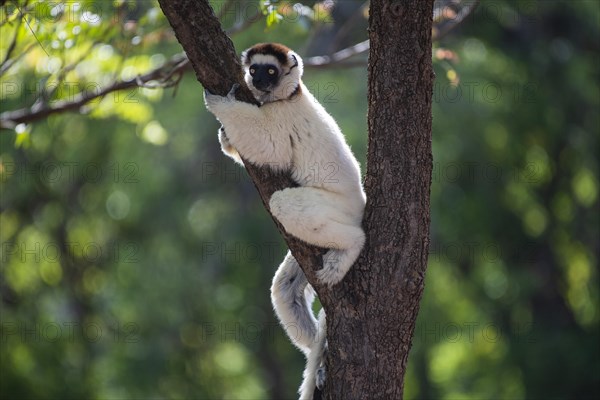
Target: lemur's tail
[
  {"x": 314, "y": 373},
  {"x": 292, "y": 299}
]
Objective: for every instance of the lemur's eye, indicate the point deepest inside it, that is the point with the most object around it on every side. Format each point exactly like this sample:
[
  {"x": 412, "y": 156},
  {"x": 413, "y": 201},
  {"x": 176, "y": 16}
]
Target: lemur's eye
[
  {"x": 271, "y": 71},
  {"x": 252, "y": 71}
]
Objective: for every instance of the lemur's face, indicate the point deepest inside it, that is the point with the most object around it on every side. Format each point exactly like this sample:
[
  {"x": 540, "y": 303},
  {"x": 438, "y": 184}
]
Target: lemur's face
[
  {"x": 265, "y": 76},
  {"x": 272, "y": 71}
]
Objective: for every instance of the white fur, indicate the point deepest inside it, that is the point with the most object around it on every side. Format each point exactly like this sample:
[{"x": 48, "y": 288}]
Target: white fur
[
  {"x": 292, "y": 299},
  {"x": 314, "y": 373},
  {"x": 292, "y": 296},
  {"x": 264, "y": 59},
  {"x": 296, "y": 134}
]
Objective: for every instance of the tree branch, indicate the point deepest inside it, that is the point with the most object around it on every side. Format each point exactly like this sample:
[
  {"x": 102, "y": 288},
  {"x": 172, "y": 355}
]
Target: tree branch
[
  {"x": 338, "y": 58},
  {"x": 180, "y": 64},
  {"x": 40, "y": 110}
]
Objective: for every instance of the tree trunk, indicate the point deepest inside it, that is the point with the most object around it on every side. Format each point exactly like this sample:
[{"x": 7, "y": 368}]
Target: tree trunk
[
  {"x": 371, "y": 321},
  {"x": 371, "y": 314}
]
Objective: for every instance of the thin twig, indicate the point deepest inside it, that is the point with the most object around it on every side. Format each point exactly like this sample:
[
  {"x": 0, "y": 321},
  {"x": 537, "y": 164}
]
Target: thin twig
[
  {"x": 31, "y": 29},
  {"x": 440, "y": 29},
  {"x": 338, "y": 57},
  {"x": 7, "y": 20},
  {"x": 45, "y": 96},
  {"x": 9, "y": 63},
  {"x": 12, "y": 45}
]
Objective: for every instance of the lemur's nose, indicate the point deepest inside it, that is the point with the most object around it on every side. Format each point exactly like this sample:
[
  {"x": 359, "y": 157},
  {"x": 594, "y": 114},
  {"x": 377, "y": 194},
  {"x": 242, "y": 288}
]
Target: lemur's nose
[{"x": 260, "y": 83}]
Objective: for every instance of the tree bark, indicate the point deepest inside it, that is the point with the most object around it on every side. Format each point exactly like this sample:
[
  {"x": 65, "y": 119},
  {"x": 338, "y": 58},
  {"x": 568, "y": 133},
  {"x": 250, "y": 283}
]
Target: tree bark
[
  {"x": 371, "y": 320},
  {"x": 371, "y": 314}
]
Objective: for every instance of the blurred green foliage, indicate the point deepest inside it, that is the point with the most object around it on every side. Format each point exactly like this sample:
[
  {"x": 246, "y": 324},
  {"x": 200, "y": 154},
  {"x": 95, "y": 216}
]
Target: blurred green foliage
[{"x": 136, "y": 259}]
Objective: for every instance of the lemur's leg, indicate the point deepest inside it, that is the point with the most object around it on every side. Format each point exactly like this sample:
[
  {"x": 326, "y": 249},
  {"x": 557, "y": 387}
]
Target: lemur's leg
[
  {"x": 337, "y": 262},
  {"x": 314, "y": 373},
  {"x": 292, "y": 299},
  {"x": 314, "y": 216}
]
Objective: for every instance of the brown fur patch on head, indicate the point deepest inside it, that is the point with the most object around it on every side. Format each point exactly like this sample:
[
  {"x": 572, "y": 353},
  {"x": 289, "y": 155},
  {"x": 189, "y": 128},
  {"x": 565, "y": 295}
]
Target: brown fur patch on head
[{"x": 276, "y": 50}]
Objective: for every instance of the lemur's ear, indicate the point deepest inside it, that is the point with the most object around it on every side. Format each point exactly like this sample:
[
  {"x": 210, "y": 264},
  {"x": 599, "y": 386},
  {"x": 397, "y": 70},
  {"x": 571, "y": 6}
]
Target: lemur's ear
[
  {"x": 296, "y": 62},
  {"x": 244, "y": 57}
]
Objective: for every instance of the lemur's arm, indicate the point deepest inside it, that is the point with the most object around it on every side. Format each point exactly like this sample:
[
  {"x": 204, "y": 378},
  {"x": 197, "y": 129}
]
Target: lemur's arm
[{"x": 248, "y": 131}]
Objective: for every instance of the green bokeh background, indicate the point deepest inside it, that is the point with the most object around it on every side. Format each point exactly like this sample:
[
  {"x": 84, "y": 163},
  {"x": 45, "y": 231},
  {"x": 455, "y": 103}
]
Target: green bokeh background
[{"x": 136, "y": 259}]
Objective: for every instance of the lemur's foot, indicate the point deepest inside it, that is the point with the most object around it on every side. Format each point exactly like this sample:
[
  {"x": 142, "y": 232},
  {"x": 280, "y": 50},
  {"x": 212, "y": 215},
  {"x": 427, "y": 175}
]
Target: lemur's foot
[{"x": 331, "y": 273}]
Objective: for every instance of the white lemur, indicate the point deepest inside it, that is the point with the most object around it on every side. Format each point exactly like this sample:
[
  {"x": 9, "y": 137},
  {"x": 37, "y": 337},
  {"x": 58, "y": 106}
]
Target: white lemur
[{"x": 291, "y": 131}]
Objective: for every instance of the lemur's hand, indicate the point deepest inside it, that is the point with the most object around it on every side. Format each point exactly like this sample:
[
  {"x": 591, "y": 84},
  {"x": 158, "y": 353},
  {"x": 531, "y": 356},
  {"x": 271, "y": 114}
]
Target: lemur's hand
[
  {"x": 214, "y": 100},
  {"x": 231, "y": 94}
]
